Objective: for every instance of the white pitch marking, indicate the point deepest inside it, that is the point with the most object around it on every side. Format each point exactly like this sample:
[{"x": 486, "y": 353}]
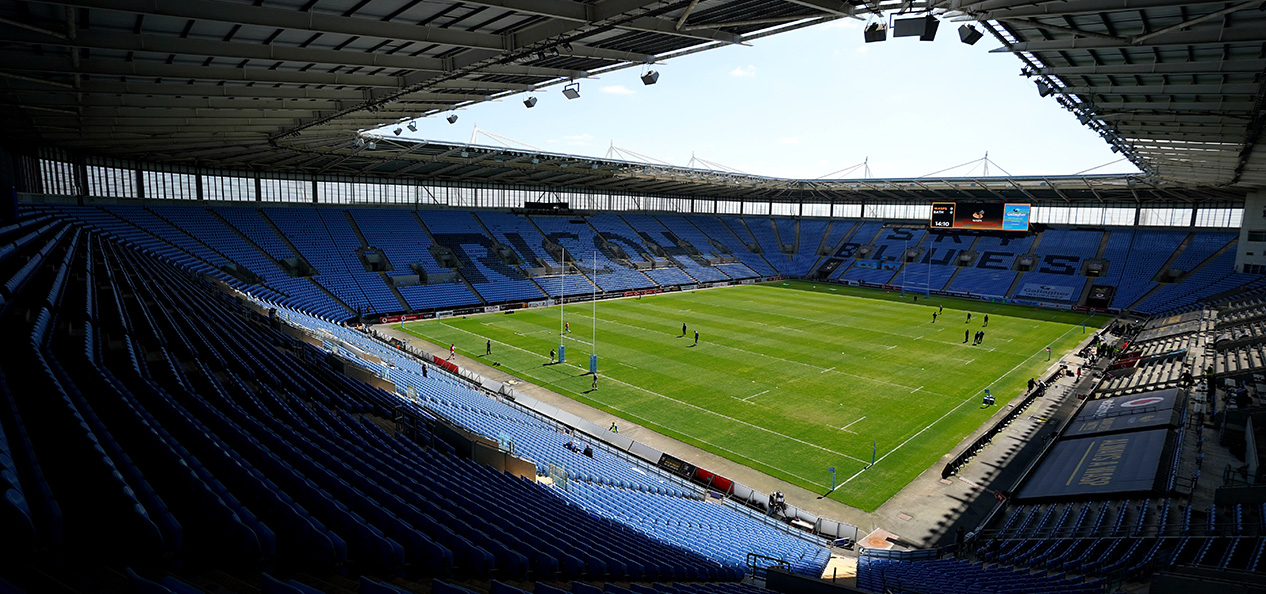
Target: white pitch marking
[
  {"x": 750, "y": 397},
  {"x": 916, "y": 389},
  {"x": 892, "y": 347},
  {"x": 853, "y": 423},
  {"x": 968, "y": 361},
  {"x": 826, "y": 370}
]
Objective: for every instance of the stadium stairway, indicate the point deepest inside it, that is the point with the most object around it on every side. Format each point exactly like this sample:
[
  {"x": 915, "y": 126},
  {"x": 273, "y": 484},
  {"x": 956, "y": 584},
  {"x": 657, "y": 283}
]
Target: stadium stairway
[{"x": 364, "y": 244}]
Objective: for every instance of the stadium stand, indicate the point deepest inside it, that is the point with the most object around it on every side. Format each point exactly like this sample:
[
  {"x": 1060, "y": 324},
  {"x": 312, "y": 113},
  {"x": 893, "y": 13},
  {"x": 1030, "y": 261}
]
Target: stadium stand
[
  {"x": 692, "y": 258},
  {"x": 585, "y": 252},
  {"x": 197, "y": 418},
  {"x": 1058, "y": 259},
  {"x": 1149, "y": 252},
  {"x": 993, "y": 273},
  {"x": 494, "y": 252},
  {"x": 739, "y": 243},
  {"x": 810, "y": 233},
  {"x": 937, "y": 262},
  {"x": 884, "y": 264},
  {"x": 495, "y": 280},
  {"x": 213, "y": 230}
]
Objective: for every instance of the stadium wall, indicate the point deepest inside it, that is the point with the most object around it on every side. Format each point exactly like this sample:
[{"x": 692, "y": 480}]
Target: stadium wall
[{"x": 1250, "y": 255}]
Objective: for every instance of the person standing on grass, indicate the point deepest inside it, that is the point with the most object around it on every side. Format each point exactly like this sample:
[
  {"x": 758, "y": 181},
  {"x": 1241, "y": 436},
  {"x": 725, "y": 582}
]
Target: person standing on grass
[
  {"x": 551, "y": 356},
  {"x": 567, "y": 327},
  {"x": 683, "y": 329},
  {"x": 968, "y": 317},
  {"x": 940, "y": 309},
  {"x": 982, "y": 338},
  {"x": 986, "y": 319},
  {"x": 594, "y": 386},
  {"x": 933, "y": 317},
  {"x": 488, "y": 347},
  {"x": 696, "y": 338},
  {"x": 966, "y": 333}
]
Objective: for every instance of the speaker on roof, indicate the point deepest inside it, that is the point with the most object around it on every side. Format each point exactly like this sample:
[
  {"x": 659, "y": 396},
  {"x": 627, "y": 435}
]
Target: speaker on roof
[
  {"x": 923, "y": 27},
  {"x": 969, "y": 34},
  {"x": 876, "y": 31}
]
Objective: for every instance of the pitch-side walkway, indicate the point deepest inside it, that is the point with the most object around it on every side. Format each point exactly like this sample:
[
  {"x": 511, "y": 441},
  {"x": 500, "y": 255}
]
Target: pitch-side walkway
[{"x": 924, "y": 514}]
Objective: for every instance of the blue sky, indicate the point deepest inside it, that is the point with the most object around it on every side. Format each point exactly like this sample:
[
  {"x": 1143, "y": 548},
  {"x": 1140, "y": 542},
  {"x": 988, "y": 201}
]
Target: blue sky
[{"x": 807, "y": 103}]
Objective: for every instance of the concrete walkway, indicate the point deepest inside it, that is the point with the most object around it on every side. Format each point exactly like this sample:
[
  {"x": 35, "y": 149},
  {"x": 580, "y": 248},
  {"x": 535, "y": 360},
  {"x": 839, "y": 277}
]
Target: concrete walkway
[{"x": 924, "y": 514}]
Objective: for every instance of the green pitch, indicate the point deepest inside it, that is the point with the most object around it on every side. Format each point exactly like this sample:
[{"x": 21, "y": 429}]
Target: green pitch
[{"x": 787, "y": 378}]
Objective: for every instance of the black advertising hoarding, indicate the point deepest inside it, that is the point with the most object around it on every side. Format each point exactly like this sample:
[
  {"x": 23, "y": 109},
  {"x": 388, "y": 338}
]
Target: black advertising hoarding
[{"x": 1126, "y": 413}]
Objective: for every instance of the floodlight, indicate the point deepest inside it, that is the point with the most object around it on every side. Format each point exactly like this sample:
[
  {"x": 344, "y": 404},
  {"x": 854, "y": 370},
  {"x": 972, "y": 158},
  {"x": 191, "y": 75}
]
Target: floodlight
[
  {"x": 572, "y": 90},
  {"x": 372, "y": 145},
  {"x": 553, "y": 51},
  {"x": 650, "y": 78},
  {"x": 359, "y": 142},
  {"x": 452, "y": 118},
  {"x": 397, "y": 131},
  {"x": 540, "y": 55},
  {"x": 567, "y": 47},
  {"x": 413, "y": 126},
  {"x": 969, "y": 34},
  {"x": 530, "y": 102},
  {"x": 1044, "y": 89}
]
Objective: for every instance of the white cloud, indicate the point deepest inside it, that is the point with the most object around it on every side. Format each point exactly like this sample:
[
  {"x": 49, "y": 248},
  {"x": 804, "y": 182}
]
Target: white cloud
[
  {"x": 618, "y": 90},
  {"x": 789, "y": 140},
  {"x": 744, "y": 71}
]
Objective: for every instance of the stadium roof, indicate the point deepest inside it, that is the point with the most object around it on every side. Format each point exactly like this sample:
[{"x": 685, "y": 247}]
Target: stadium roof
[
  {"x": 289, "y": 85},
  {"x": 1175, "y": 86}
]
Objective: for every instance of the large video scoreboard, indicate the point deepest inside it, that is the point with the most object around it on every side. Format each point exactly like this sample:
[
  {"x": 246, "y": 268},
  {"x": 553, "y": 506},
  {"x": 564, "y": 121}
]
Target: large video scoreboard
[{"x": 987, "y": 216}]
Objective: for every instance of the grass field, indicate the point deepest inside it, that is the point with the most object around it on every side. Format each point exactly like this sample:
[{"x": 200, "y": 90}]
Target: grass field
[{"x": 787, "y": 378}]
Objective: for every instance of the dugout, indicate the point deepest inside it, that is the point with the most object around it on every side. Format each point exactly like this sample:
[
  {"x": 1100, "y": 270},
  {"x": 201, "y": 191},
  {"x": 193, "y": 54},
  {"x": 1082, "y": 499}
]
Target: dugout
[{"x": 1105, "y": 466}]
